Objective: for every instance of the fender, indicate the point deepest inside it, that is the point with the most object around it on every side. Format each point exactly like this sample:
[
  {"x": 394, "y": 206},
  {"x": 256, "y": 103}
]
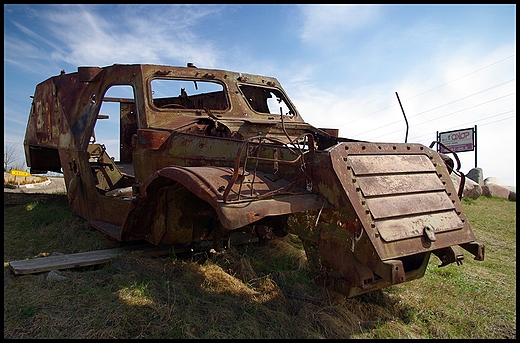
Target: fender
[{"x": 270, "y": 198}]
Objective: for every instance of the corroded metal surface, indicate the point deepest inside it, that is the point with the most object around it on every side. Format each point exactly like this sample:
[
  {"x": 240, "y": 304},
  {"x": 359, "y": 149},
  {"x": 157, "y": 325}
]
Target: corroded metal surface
[{"x": 205, "y": 153}]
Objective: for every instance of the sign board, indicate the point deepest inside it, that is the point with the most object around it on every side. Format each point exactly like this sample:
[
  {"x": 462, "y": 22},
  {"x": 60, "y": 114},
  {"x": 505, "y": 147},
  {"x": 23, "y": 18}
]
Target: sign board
[
  {"x": 19, "y": 173},
  {"x": 457, "y": 140}
]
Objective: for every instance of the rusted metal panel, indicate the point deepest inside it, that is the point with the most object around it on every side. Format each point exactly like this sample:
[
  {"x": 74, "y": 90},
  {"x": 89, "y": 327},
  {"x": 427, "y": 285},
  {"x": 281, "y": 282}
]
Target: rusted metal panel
[
  {"x": 408, "y": 204},
  {"x": 87, "y": 74},
  {"x": 237, "y": 215},
  {"x": 151, "y": 139},
  {"x": 399, "y": 183},
  {"x": 413, "y": 226},
  {"x": 385, "y": 164}
]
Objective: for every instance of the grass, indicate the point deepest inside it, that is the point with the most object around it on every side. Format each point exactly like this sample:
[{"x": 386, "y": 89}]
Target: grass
[{"x": 249, "y": 291}]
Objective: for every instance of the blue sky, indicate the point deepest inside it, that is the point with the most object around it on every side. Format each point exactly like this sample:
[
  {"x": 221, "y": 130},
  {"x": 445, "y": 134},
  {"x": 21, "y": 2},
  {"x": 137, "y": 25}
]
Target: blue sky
[{"x": 453, "y": 66}]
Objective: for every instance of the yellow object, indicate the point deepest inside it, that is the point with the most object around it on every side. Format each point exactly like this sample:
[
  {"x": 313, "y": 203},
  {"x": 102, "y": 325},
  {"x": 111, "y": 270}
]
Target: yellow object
[{"x": 19, "y": 173}]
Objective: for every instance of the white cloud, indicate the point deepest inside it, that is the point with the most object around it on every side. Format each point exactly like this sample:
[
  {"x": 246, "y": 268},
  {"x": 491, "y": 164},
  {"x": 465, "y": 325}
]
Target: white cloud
[
  {"x": 92, "y": 35},
  {"x": 326, "y": 22}
]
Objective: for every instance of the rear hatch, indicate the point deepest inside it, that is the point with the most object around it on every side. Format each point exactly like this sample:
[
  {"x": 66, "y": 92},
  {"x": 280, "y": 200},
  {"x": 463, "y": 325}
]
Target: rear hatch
[{"x": 403, "y": 195}]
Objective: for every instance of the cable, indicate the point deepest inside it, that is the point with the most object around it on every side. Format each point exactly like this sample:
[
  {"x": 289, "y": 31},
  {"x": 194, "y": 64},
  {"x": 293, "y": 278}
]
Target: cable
[
  {"x": 473, "y": 122},
  {"x": 489, "y": 65},
  {"x": 467, "y": 108},
  {"x": 459, "y": 125}
]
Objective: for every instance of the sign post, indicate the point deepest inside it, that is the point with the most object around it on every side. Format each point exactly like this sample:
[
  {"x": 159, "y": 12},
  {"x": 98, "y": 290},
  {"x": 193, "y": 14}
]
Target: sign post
[{"x": 458, "y": 141}]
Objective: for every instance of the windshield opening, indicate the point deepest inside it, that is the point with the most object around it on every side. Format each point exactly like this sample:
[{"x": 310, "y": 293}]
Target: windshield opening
[{"x": 188, "y": 94}]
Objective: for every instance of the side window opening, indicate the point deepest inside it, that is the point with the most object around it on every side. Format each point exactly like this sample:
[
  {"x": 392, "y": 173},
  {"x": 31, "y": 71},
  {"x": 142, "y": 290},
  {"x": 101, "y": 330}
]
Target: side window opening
[
  {"x": 188, "y": 94},
  {"x": 266, "y": 100},
  {"x": 277, "y": 105},
  {"x": 112, "y": 143}
]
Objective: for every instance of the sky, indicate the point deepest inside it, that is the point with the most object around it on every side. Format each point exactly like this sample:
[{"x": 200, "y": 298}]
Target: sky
[{"x": 452, "y": 67}]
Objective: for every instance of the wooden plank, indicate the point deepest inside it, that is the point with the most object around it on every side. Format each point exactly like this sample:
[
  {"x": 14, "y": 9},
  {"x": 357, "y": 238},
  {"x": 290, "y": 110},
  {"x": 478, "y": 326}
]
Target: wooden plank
[
  {"x": 89, "y": 258},
  {"x": 82, "y": 259}
]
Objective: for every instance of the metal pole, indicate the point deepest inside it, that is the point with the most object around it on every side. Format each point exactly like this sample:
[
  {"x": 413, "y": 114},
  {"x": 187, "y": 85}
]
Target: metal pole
[
  {"x": 475, "y": 138},
  {"x": 406, "y": 121}
]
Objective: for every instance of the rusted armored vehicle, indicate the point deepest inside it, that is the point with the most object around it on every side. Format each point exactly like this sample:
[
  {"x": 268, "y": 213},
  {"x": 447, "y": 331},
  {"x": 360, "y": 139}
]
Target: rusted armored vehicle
[{"x": 202, "y": 154}]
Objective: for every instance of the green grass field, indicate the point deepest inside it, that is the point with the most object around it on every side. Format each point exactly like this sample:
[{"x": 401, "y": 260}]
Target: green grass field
[{"x": 250, "y": 291}]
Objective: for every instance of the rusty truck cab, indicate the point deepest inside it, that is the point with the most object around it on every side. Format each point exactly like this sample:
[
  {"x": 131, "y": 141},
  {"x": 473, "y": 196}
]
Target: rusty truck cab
[
  {"x": 192, "y": 154},
  {"x": 155, "y": 104}
]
